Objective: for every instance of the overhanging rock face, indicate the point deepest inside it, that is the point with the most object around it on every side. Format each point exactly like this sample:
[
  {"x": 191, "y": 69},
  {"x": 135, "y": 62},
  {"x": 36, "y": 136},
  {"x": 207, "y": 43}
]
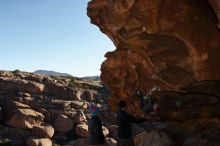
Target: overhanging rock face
[
  {"x": 172, "y": 44},
  {"x": 216, "y": 6}
]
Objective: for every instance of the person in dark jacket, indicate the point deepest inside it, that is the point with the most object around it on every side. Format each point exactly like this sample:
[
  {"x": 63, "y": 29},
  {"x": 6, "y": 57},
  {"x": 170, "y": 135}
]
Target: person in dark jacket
[
  {"x": 96, "y": 136},
  {"x": 124, "y": 125}
]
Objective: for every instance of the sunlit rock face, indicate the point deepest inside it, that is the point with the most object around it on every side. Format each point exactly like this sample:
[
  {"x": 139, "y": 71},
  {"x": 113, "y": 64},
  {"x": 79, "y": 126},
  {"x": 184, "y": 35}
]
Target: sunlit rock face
[{"x": 172, "y": 44}]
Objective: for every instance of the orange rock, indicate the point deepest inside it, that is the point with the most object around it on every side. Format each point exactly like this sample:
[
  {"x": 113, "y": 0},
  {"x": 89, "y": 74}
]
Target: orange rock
[
  {"x": 25, "y": 118},
  {"x": 82, "y": 130},
  {"x": 63, "y": 124},
  {"x": 38, "y": 142},
  {"x": 171, "y": 44},
  {"x": 43, "y": 131}
]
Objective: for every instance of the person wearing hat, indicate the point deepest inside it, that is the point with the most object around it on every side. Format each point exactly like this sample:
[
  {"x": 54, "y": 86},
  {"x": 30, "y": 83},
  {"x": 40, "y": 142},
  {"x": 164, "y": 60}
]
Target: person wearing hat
[
  {"x": 96, "y": 136},
  {"x": 124, "y": 125}
]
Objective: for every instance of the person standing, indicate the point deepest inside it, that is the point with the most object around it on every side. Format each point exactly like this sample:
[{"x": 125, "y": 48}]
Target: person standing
[
  {"x": 96, "y": 136},
  {"x": 124, "y": 125}
]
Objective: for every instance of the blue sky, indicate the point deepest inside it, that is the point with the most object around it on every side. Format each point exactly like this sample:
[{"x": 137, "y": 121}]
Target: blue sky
[{"x": 52, "y": 35}]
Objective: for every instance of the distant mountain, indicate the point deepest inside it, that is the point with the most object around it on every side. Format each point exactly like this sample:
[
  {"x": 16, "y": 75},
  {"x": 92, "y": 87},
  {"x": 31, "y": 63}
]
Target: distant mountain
[
  {"x": 51, "y": 73},
  {"x": 91, "y": 78}
]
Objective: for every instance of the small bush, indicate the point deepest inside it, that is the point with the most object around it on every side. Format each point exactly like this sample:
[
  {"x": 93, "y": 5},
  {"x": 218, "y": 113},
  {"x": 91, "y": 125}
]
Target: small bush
[{"x": 16, "y": 71}]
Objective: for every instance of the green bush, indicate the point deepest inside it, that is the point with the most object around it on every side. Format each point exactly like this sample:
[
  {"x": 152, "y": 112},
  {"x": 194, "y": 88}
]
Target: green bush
[
  {"x": 16, "y": 71},
  {"x": 73, "y": 83}
]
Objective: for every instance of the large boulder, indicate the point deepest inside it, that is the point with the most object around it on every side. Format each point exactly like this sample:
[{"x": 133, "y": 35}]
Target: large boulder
[
  {"x": 105, "y": 131},
  {"x": 63, "y": 104},
  {"x": 190, "y": 128},
  {"x": 16, "y": 135},
  {"x": 76, "y": 104},
  {"x": 43, "y": 131},
  {"x": 25, "y": 118},
  {"x": 34, "y": 87},
  {"x": 63, "y": 124},
  {"x": 153, "y": 138},
  {"x": 89, "y": 95},
  {"x": 13, "y": 85},
  {"x": 110, "y": 141},
  {"x": 82, "y": 130},
  {"x": 112, "y": 130},
  {"x": 46, "y": 114},
  {"x": 38, "y": 142},
  {"x": 75, "y": 94},
  {"x": 210, "y": 137},
  {"x": 10, "y": 106},
  {"x": 171, "y": 44},
  {"x": 56, "y": 90}
]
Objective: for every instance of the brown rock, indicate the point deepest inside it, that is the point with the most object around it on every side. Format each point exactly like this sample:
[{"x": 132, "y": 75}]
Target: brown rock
[
  {"x": 185, "y": 106},
  {"x": 33, "y": 87},
  {"x": 57, "y": 90},
  {"x": 136, "y": 130},
  {"x": 105, "y": 131},
  {"x": 25, "y": 118},
  {"x": 65, "y": 105},
  {"x": 81, "y": 142},
  {"x": 200, "y": 142},
  {"x": 39, "y": 142},
  {"x": 78, "y": 104},
  {"x": 21, "y": 94},
  {"x": 216, "y": 6},
  {"x": 6, "y": 74},
  {"x": 205, "y": 87},
  {"x": 13, "y": 85},
  {"x": 110, "y": 141},
  {"x": 55, "y": 113},
  {"x": 29, "y": 101},
  {"x": 46, "y": 114},
  {"x": 153, "y": 138},
  {"x": 79, "y": 117},
  {"x": 88, "y": 95},
  {"x": 206, "y": 138},
  {"x": 63, "y": 124},
  {"x": 16, "y": 105},
  {"x": 10, "y": 104},
  {"x": 43, "y": 131},
  {"x": 113, "y": 129},
  {"x": 75, "y": 94},
  {"x": 82, "y": 130},
  {"x": 26, "y": 94},
  {"x": 191, "y": 128},
  {"x": 16, "y": 135},
  {"x": 156, "y": 45},
  {"x": 60, "y": 138}
]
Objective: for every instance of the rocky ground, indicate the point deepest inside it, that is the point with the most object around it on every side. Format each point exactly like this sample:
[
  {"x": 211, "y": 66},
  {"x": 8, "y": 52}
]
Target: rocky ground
[
  {"x": 46, "y": 110},
  {"x": 39, "y": 110}
]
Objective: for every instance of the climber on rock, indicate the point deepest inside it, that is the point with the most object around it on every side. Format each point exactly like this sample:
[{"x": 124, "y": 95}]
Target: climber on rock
[
  {"x": 148, "y": 102},
  {"x": 124, "y": 125},
  {"x": 96, "y": 136}
]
